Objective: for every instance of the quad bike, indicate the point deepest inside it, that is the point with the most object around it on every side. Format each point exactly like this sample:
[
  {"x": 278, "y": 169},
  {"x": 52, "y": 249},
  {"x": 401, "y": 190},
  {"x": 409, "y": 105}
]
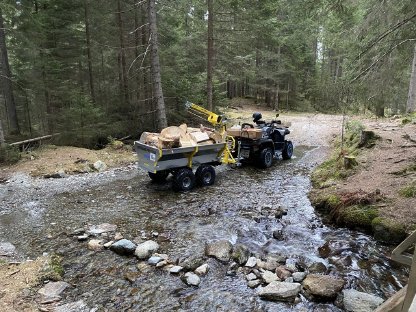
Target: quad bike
[{"x": 265, "y": 145}]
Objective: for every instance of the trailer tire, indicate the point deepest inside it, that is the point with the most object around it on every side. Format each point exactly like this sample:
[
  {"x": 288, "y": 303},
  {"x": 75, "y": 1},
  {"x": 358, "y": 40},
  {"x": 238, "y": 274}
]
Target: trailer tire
[
  {"x": 159, "y": 176},
  {"x": 265, "y": 157},
  {"x": 205, "y": 175},
  {"x": 287, "y": 152},
  {"x": 183, "y": 180}
]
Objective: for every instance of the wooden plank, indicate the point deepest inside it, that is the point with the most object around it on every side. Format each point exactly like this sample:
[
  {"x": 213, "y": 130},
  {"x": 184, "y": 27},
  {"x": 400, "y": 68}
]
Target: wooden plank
[
  {"x": 411, "y": 287},
  {"x": 394, "y": 303},
  {"x": 397, "y": 254}
]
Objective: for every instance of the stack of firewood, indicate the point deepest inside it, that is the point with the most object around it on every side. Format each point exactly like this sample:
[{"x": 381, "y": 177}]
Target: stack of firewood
[{"x": 182, "y": 136}]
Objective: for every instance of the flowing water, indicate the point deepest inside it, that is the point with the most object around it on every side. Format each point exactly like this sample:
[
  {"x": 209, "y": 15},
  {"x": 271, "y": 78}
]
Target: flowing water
[{"x": 37, "y": 216}]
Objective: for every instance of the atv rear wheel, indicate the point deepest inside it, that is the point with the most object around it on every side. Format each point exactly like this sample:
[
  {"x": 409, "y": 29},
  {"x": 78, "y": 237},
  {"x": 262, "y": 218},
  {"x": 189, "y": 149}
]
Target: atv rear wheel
[
  {"x": 266, "y": 157},
  {"x": 183, "y": 180},
  {"x": 159, "y": 176},
  {"x": 287, "y": 152},
  {"x": 205, "y": 175}
]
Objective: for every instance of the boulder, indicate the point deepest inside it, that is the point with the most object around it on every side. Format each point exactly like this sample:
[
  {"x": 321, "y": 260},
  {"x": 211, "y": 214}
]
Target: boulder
[
  {"x": 280, "y": 291},
  {"x": 7, "y": 249},
  {"x": 99, "y": 166},
  {"x": 251, "y": 262},
  {"x": 192, "y": 279},
  {"x": 269, "y": 277},
  {"x": 220, "y": 250},
  {"x": 282, "y": 272},
  {"x": 323, "y": 287},
  {"x": 356, "y": 301},
  {"x": 123, "y": 247},
  {"x": 52, "y": 290},
  {"x": 240, "y": 254},
  {"x": 317, "y": 267},
  {"x": 192, "y": 262},
  {"x": 202, "y": 270},
  {"x": 270, "y": 265},
  {"x": 144, "y": 250},
  {"x": 253, "y": 283},
  {"x": 299, "y": 276},
  {"x": 251, "y": 276}
]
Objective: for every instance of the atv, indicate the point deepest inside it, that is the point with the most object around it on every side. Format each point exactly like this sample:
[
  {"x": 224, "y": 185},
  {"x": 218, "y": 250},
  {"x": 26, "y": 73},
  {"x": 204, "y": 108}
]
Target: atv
[{"x": 262, "y": 142}]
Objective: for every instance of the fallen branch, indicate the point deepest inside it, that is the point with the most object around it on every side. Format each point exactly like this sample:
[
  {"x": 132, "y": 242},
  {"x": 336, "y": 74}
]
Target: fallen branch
[{"x": 34, "y": 139}]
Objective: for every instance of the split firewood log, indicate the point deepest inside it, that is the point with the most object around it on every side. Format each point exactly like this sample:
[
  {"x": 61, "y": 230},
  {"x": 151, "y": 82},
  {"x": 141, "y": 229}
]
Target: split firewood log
[{"x": 199, "y": 136}]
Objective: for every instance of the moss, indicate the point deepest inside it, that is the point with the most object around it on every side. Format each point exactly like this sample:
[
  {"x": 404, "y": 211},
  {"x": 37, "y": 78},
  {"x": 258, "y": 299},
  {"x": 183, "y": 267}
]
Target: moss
[
  {"x": 358, "y": 216},
  {"x": 325, "y": 202},
  {"x": 388, "y": 231},
  {"x": 53, "y": 269},
  {"x": 408, "y": 191}
]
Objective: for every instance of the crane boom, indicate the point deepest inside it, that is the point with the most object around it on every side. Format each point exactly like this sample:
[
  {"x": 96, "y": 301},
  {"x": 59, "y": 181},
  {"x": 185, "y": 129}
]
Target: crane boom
[{"x": 214, "y": 119}]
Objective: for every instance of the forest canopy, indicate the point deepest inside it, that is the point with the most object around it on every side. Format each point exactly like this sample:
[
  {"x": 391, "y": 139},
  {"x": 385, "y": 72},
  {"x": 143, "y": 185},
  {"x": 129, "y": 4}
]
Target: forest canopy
[{"x": 90, "y": 69}]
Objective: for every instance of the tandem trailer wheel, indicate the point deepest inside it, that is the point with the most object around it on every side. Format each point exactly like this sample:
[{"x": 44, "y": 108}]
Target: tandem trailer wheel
[
  {"x": 205, "y": 175},
  {"x": 183, "y": 180}
]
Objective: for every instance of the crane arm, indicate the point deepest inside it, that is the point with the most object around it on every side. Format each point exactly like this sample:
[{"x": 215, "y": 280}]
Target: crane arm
[{"x": 211, "y": 117}]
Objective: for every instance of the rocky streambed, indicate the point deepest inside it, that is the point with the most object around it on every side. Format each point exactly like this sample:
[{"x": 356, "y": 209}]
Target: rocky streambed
[{"x": 251, "y": 242}]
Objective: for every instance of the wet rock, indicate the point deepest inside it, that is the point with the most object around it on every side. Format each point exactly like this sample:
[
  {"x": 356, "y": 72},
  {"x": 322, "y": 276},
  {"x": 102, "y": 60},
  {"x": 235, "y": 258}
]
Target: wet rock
[
  {"x": 324, "y": 250},
  {"x": 131, "y": 276},
  {"x": 163, "y": 256},
  {"x": 161, "y": 264},
  {"x": 108, "y": 244},
  {"x": 276, "y": 258},
  {"x": 118, "y": 236},
  {"x": 191, "y": 263},
  {"x": 99, "y": 166},
  {"x": 342, "y": 262},
  {"x": 82, "y": 238},
  {"x": 53, "y": 290},
  {"x": 77, "y": 232},
  {"x": 96, "y": 244},
  {"x": 144, "y": 250},
  {"x": 202, "y": 270},
  {"x": 355, "y": 301},
  {"x": 291, "y": 265},
  {"x": 280, "y": 212},
  {"x": 232, "y": 269},
  {"x": 317, "y": 267},
  {"x": 278, "y": 234},
  {"x": 251, "y": 262},
  {"x": 322, "y": 286},
  {"x": 7, "y": 249},
  {"x": 77, "y": 306},
  {"x": 154, "y": 260},
  {"x": 192, "y": 279},
  {"x": 269, "y": 277},
  {"x": 270, "y": 264},
  {"x": 282, "y": 272},
  {"x": 176, "y": 269},
  {"x": 123, "y": 247},
  {"x": 220, "y": 250},
  {"x": 240, "y": 254},
  {"x": 102, "y": 228},
  {"x": 253, "y": 283},
  {"x": 299, "y": 276},
  {"x": 289, "y": 280},
  {"x": 280, "y": 291},
  {"x": 251, "y": 276},
  {"x": 57, "y": 175}
]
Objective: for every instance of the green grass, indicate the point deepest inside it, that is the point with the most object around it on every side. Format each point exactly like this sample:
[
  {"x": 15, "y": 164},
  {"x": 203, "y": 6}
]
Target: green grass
[{"x": 408, "y": 191}]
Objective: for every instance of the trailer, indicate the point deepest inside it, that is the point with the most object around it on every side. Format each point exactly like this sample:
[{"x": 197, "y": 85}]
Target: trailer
[{"x": 181, "y": 163}]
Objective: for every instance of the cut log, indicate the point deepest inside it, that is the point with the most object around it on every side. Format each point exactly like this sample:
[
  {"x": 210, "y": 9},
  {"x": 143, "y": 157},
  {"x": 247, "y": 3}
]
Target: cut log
[
  {"x": 172, "y": 133},
  {"x": 150, "y": 138},
  {"x": 199, "y": 136},
  {"x": 350, "y": 162},
  {"x": 186, "y": 141}
]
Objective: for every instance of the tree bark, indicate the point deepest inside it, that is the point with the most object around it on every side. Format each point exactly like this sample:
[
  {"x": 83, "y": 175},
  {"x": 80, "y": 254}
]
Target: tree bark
[
  {"x": 411, "y": 98},
  {"x": 6, "y": 81},
  {"x": 1, "y": 135},
  {"x": 124, "y": 82},
  {"x": 155, "y": 67},
  {"x": 88, "y": 41},
  {"x": 210, "y": 53}
]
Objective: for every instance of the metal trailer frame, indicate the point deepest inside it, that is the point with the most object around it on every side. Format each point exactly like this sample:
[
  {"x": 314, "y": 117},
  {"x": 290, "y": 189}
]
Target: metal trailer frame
[{"x": 153, "y": 159}]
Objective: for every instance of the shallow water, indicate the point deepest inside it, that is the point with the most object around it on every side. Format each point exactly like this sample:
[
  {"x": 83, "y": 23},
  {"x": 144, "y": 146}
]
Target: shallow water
[{"x": 38, "y": 218}]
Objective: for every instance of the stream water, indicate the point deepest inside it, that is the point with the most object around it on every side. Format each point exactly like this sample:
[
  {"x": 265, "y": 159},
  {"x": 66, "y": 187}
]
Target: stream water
[{"x": 38, "y": 217}]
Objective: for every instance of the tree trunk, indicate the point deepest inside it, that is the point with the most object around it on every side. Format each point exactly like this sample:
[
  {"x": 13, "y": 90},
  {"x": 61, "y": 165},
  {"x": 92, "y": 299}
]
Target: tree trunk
[
  {"x": 6, "y": 81},
  {"x": 136, "y": 55},
  {"x": 144, "y": 36},
  {"x": 411, "y": 98},
  {"x": 1, "y": 135},
  {"x": 210, "y": 52},
  {"x": 88, "y": 41},
  {"x": 124, "y": 82},
  {"x": 155, "y": 67}
]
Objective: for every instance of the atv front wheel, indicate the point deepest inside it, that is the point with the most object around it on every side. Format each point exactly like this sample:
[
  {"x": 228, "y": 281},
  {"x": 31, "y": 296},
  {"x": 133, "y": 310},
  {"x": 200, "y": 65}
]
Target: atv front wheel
[
  {"x": 183, "y": 180},
  {"x": 266, "y": 157},
  {"x": 287, "y": 152}
]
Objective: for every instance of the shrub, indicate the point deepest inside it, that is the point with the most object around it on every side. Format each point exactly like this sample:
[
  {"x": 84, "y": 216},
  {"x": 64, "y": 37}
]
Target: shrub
[{"x": 9, "y": 154}]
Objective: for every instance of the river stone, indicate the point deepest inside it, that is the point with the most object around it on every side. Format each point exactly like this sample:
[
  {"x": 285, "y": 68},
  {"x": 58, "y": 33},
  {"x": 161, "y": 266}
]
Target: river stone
[
  {"x": 269, "y": 264},
  {"x": 144, "y": 250},
  {"x": 83, "y": 237},
  {"x": 192, "y": 279},
  {"x": 102, "y": 228},
  {"x": 7, "y": 249},
  {"x": 161, "y": 263},
  {"x": 355, "y": 301},
  {"x": 251, "y": 276},
  {"x": 77, "y": 306},
  {"x": 269, "y": 277},
  {"x": 251, "y": 262},
  {"x": 99, "y": 166},
  {"x": 253, "y": 283},
  {"x": 96, "y": 244},
  {"x": 280, "y": 291},
  {"x": 175, "y": 269},
  {"x": 282, "y": 272},
  {"x": 202, "y": 270},
  {"x": 154, "y": 260},
  {"x": 278, "y": 234},
  {"x": 123, "y": 247},
  {"x": 240, "y": 254},
  {"x": 322, "y": 286},
  {"x": 317, "y": 267},
  {"x": 192, "y": 262},
  {"x": 220, "y": 250},
  {"x": 53, "y": 290},
  {"x": 299, "y": 276}
]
